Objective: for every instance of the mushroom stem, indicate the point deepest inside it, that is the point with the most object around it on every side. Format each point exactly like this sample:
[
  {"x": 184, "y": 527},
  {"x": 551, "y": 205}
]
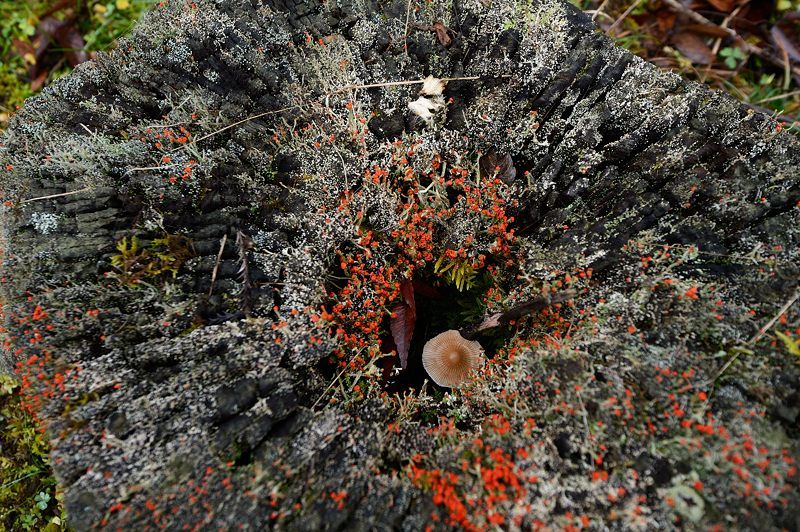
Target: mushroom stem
[{"x": 500, "y": 319}]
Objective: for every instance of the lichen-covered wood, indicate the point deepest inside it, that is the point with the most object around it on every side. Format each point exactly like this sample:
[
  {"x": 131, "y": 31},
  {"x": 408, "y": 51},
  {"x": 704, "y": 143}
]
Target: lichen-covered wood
[{"x": 204, "y": 233}]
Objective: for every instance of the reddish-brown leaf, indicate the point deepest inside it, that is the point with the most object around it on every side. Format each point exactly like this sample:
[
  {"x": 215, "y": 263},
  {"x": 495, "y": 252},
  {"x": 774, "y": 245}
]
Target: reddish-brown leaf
[
  {"x": 402, "y": 324},
  {"x": 665, "y": 20},
  {"x": 706, "y": 30},
  {"x": 726, "y": 6},
  {"x": 66, "y": 34},
  {"x": 442, "y": 34},
  {"x": 427, "y": 290},
  {"x": 693, "y": 47}
]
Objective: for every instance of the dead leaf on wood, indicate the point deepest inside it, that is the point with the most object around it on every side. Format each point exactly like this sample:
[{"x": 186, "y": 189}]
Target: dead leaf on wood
[
  {"x": 403, "y": 321},
  {"x": 693, "y": 47},
  {"x": 442, "y": 34},
  {"x": 426, "y": 108},
  {"x": 497, "y": 164},
  {"x": 432, "y": 86}
]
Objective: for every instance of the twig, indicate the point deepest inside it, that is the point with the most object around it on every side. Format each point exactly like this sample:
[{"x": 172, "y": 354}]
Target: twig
[
  {"x": 242, "y": 121},
  {"x": 222, "y": 242},
  {"x": 405, "y": 33},
  {"x": 61, "y": 195},
  {"x": 400, "y": 83},
  {"x": 779, "y": 97},
  {"x": 334, "y": 381},
  {"x": 148, "y": 168},
  {"x": 92, "y": 133},
  {"x": 599, "y": 9},
  {"x": 523, "y": 309},
  {"x": 761, "y": 332},
  {"x": 695, "y": 16},
  {"x": 623, "y": 17}
]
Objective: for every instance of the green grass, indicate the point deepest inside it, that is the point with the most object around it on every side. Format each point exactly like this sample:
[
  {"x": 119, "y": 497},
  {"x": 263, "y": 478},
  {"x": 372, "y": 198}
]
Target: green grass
[{"x": 29, "y": 499}]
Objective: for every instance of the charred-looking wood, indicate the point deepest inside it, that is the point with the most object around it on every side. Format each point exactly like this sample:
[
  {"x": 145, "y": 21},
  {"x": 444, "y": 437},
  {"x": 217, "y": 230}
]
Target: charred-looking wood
[
  {"x": 243, "y": 245},
  {"x": 217, "y": 398}
]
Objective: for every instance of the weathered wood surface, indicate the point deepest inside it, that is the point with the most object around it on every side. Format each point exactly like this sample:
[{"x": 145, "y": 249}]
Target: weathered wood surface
[{"x": 170, "y": 408}]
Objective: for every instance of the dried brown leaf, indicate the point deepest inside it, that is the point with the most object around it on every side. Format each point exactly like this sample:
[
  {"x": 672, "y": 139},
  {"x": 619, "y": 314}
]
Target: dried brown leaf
[
  {"x": 726, "y": 6},
  {"x": 706, "y": 30},
  {"x": 442, "y": 34},
  {"x": 693, "y": 47},
  {"x": 785, "y": 35}
]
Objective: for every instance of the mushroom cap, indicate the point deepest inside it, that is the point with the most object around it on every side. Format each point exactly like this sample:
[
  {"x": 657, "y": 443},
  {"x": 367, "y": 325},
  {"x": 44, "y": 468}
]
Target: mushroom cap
[{"x": 448, "y": 358}]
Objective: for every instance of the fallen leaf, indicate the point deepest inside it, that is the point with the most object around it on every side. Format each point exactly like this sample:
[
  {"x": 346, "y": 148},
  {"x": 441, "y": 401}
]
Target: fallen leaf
[
  {"x": 693, "y": 47},
  {"x": 442, "y": 34},
  {"x": 726, "y": 6},
  {"x": 706, "y": 30},
  {"x": 665, "y": 20},
  {"x": 785, "y": 35},
  {"x": 403, "y": 321}
]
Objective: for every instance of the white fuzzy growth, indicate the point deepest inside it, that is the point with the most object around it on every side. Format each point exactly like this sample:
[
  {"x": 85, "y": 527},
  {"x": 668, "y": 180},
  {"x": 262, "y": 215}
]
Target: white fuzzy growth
[
  {"x": 432, "y": 86},
  {"x": 425, "y": 108}
]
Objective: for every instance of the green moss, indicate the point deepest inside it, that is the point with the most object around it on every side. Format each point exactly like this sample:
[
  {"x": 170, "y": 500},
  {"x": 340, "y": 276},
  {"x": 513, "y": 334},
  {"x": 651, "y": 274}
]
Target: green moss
[{"x": 135, "y": 263}]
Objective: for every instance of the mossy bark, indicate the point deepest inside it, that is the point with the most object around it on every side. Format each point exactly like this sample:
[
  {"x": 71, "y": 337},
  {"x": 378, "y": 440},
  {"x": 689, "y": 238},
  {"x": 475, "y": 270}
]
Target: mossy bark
[{"x": 201, "y": 400}]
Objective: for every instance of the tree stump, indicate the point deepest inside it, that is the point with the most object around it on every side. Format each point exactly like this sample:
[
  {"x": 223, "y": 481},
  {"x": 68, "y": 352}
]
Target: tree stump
[{"x": 206, "y": 233}]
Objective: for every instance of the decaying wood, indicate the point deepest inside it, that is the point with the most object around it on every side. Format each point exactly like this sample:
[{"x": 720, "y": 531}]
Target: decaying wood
[{"x": 674, "y": 209}]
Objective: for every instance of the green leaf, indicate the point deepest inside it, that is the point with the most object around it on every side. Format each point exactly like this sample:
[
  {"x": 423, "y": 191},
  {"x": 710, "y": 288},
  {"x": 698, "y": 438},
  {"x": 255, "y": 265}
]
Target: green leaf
[{"x": 41, "y": 499}]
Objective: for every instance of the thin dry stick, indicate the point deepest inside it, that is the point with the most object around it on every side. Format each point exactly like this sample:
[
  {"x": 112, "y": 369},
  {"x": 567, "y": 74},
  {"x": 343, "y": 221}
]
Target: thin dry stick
[
  {"x": 761, "y": 332},
  {"x": 405, "y": 33},
  {"x": 61, "y": 195},
  {"x": 400, "y": 83},
  {"x": 147, "y": 168},
  {"x": 599, "y": 9},
  {"x": 724, "y": 26},
  {"x": 222, "y": 242},
  {"x": 695, "y": 16},
  {"x": 623, "y": 17},
  {"x": 334, "y": 381},
  {"x": 242, "y": 121},
  {"x": 779, "y": 97}
]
